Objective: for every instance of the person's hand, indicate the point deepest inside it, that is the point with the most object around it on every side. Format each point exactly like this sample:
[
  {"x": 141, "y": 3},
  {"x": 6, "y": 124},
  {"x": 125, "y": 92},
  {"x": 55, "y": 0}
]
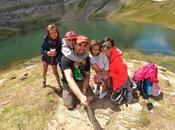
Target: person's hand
[
  {"x": 84, "y": 101},
  {"x": 90, "y": 99},
  {"x": 52, "y": 53},
  {"x": 96, "y": 68},
  {"x": 76, "y": 64},
  {"x": 49, "y": 53},
  {"x": 83, "y": 61}
]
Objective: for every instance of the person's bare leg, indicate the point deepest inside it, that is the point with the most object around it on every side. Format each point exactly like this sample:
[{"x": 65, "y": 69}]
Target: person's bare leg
[
  {"x": 55, "y": 71},
  {"x": 105, "y": 85},
  {"x": 45, "y": 68}
]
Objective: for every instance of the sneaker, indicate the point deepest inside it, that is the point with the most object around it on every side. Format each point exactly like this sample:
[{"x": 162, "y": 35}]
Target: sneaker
[
  {"x": 103, "y": 94},
  {"x": 59, "y": 89},
  {"x": 44, "y": 84},
  {"x": 97, "y": 92}
]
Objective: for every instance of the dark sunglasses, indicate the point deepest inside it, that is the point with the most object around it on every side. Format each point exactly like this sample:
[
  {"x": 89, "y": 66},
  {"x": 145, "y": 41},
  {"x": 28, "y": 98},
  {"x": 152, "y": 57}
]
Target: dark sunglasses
[{"x": 106, "y": 45}]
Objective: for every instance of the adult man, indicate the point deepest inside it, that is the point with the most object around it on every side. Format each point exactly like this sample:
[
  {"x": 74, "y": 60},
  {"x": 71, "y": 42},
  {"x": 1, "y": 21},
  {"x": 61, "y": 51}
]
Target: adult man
[{"x": 76, "y": 76}]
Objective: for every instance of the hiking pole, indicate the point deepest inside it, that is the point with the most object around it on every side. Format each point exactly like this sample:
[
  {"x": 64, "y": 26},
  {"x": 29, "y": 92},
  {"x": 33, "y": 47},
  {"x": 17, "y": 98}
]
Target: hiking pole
[{"x": 93, "y": 119}]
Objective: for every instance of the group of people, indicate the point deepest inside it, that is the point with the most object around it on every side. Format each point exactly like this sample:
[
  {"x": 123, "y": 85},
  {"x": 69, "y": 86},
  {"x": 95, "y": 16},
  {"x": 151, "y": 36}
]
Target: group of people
[{"x": 76, "y": 57}]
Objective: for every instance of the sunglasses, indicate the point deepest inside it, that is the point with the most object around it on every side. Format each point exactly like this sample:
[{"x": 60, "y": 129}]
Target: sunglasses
[{"x": 106, "y": 45}]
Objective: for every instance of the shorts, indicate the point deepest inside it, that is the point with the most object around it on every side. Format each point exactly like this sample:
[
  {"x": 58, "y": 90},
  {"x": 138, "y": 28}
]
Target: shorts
[
  {"x": 69, "y": 98},
  {"x": 49, "y": 60}
]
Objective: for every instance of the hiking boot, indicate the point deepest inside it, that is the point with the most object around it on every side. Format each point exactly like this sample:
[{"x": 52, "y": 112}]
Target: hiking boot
[
  {"x": 44, "y": 84},
  {"x": 59, "y": 89},
  {"x": 97, "y": 92},
  {"x": 103, "y": 94}
]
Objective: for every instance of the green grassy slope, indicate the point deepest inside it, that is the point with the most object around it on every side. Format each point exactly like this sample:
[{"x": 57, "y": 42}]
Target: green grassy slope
[{"x": 148, "y": 11}]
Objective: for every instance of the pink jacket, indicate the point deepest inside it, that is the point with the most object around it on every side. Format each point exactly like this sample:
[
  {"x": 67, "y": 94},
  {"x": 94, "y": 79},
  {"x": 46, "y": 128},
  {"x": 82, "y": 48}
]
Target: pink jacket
[{"x": 149, "y": 71}]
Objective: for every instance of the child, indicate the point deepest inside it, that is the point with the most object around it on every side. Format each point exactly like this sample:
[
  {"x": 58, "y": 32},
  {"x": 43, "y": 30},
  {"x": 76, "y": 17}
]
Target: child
[
  {"x": 51, "y": 50},
  {"x": 100, "y": 64}
]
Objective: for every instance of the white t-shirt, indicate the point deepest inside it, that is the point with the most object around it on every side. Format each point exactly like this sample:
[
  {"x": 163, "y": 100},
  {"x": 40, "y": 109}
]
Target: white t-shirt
[{"x": 101, "y": 60}]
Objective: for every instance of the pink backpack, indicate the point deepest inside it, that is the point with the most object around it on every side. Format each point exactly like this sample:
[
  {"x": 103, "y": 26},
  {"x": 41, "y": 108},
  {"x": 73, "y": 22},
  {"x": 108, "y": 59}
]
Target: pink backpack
[{"x": 149, "y": 71}]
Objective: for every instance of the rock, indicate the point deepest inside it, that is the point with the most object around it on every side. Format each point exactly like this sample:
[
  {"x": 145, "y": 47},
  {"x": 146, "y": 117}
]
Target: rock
[
  {"x": 156, "y": 104},
  {"x": 120, "y": 127},
  {"x": 163, "y": 69},
  {"x": 13, "y": 77},
  {"x": 130, "y": 67},
  {"x": 162, "y": 77},
  {"x": 1, "y": 109},
  {"x": 171, "y": 80},
  {"x": 2, "y": 81},
  {"x": 171, "y": 73},
  {"x": 172, "y": 93},
  {"x": 25, "y": 74},
  {"x": 140, "y": 62},
  {"x": 4, "y": 103},
  {"x": 135, "y": 108},
  {"x": 133, "y": 129},
  {"x": 23, "y": 78},
  {"x": 70, "y": 120}
]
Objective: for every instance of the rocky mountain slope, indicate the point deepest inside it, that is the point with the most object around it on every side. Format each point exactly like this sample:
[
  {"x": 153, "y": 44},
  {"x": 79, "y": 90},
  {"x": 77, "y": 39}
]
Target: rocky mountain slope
[
  {"x": 15, "y": 12},
  {"x": 21, "y": 15}
]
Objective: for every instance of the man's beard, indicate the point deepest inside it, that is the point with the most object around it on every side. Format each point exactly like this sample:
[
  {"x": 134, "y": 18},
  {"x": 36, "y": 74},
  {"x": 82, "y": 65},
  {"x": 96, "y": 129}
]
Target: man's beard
[{"x": 79, "y": 53}]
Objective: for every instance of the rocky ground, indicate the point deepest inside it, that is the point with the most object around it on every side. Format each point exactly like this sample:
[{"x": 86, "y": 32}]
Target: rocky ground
[
  {"x": 135, "y": 116},
  {"x": 24, "y": 104}
]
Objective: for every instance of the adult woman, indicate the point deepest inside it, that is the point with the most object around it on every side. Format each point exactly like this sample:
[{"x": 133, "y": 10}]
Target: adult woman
[
  {"x": 121, "y": 83},
  {"x": 51, "y": 52},
  {"x": 117, "y": 66}
]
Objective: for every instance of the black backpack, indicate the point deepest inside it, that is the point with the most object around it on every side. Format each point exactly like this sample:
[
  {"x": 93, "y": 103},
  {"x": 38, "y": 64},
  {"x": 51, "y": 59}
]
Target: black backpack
[{"x": 124, "y": 95}]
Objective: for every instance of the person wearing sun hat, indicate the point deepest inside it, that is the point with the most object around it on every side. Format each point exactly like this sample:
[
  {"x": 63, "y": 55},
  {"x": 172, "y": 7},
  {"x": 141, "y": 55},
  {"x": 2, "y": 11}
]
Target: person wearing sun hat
[
  {"x": 67, "y": 47},
  {"x": 77, "y": 86}
]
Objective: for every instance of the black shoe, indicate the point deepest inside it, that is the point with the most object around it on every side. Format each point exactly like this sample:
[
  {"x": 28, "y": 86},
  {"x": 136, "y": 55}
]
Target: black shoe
[
  {"x": 149, "y": 106},
  {"x": 44, "y": 84}
]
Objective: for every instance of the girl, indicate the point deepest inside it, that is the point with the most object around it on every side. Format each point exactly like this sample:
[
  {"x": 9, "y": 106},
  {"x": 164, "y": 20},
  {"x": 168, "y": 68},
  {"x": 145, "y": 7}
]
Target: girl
[
  {"x": 51, "y": 52},
  {"x": 100, "y": 65}
]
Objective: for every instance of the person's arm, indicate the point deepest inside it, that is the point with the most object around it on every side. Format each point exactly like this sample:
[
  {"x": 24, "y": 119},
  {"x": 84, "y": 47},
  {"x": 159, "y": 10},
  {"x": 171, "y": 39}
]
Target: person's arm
[
  {"x": 119, "y": 75},
  {"x": 87, "y": 76},
  {"x": 86, "y": 83},
  {"x": 106, "y": 63},
  {"x": 68, "y": 74},
  {"x": 74, "y": 87},
  {"x": 68, "y": 52},
  {"x": 44, "y": 47}
]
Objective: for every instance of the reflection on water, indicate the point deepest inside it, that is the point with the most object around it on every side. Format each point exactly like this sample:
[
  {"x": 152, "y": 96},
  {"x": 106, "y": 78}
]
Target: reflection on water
[
  {"x": 154, "y": 39},
  {"x": 146, "y": 37}
]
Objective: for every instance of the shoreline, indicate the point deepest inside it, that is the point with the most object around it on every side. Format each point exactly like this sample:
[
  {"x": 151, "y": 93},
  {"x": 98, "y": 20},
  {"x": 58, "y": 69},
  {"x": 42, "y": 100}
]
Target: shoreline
[
  {"x": 168, "y": 26},
  {"x": 167, "y": 61},
  {"x": 15, "y": 31}
]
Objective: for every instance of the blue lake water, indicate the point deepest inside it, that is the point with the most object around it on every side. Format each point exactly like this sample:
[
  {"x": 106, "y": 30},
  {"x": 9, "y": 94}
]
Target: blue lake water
[{"x": 149, "y": 38}]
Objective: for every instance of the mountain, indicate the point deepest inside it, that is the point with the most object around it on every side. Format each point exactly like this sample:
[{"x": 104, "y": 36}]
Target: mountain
[{"x": 21, "y": 15}]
